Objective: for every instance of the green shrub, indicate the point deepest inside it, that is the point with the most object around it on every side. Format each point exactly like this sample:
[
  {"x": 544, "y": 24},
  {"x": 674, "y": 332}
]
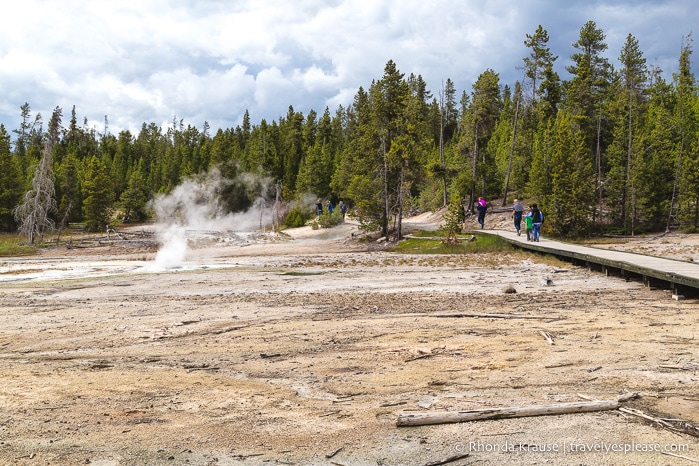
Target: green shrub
[
  {"x": 328, "y": 220},
  {"x": 295, "y": 218},
  {"x": 453, "y": 221}
]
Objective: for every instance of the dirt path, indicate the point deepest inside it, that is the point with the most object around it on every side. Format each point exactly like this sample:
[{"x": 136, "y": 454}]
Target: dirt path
[{"x": 305, "y": 350}]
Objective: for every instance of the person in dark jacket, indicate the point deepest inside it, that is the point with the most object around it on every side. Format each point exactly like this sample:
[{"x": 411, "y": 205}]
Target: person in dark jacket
[
  {"x": 481, "y": 206},
  {"x": 319, "y": 209},
  {"x": 537, "y": 220}
]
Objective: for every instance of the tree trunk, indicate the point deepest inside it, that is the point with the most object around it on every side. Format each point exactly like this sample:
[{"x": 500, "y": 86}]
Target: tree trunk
[
  {"x": 629, "y": 179},
  {"x": 512, "y": 151},
  {"x": 400, "y": 201},
  {"x": 441, "y": 147},
  {"x": 384, "y": 226},
  {"x": 472, "y": 201},
  {"x": 598, "y": 163}
]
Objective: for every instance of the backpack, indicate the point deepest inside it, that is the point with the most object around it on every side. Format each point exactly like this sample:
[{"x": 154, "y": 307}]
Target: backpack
[{"x": 538, "y": 217}]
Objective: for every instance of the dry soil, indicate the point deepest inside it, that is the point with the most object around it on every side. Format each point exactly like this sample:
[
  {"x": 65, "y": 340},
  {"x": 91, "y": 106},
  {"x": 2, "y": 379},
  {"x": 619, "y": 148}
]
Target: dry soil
[{"x": 305, "y": 348}]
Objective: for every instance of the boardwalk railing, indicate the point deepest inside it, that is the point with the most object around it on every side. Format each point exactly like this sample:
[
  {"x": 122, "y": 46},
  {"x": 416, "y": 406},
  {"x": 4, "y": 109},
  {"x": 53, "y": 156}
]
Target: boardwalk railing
[{"x": 682, "y": 277}]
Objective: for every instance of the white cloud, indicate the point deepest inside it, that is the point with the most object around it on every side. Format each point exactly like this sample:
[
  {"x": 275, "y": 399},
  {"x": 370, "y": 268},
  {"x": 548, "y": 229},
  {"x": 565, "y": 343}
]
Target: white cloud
[{"x": 210, "y": 60}]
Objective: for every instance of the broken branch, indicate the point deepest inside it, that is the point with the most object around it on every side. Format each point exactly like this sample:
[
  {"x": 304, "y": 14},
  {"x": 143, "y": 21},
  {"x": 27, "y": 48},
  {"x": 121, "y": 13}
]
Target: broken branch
[
  {"x": 549, "y": 338},
  {"x": 451, "y": 459},
  {"x": 685, "y": 427},
  {"x": 680, "y": 456}
]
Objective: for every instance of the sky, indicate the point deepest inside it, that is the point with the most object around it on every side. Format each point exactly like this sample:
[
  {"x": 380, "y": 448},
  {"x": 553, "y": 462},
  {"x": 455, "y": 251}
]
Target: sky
[{"x": 197, "y": 61}]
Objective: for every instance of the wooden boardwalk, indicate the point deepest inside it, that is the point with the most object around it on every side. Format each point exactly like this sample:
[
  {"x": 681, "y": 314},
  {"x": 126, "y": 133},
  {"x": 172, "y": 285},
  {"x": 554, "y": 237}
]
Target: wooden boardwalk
[{"x": 681, "y": 277}]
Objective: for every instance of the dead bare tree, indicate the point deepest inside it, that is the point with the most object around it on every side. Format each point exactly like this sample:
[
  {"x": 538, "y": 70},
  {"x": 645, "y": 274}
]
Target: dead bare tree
[{"x": 34, "y": 214}]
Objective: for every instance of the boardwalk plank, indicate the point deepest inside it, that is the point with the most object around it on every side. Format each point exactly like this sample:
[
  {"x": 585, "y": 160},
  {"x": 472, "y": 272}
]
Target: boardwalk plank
[{"x": 674, "y": 272}]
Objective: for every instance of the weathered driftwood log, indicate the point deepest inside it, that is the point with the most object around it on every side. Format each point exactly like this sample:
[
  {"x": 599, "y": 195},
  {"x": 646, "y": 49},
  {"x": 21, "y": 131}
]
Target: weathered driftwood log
[
  {"x": 421, "y": 419},
  {"x": 458, "y": 315}
]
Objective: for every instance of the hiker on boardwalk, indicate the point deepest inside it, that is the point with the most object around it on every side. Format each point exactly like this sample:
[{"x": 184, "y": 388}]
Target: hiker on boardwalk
[
  {"x": 537, "y": 220},
  {"x": 481, "y": 206},
  {"x": 528, "y": 223},
  {"x": 517, "y": 211}
]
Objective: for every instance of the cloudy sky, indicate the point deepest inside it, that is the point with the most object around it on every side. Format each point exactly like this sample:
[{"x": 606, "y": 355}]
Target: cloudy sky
[{"x": 151, "y": 61}]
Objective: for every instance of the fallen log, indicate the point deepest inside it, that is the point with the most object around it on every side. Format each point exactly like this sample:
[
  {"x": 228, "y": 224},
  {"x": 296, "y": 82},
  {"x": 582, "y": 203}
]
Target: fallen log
[
  {"x": 493, "y": 316},
  {"x": 421, "y": 419}
]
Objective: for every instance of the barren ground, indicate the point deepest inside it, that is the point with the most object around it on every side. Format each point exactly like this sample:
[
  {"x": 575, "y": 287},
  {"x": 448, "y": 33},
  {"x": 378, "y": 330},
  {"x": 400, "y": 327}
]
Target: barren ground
[{"x": 306, "y": 349}]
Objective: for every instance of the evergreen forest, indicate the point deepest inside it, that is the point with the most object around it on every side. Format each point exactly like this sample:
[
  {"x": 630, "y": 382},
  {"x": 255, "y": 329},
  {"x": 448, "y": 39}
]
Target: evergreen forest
[{"x": 606, "y": 151}]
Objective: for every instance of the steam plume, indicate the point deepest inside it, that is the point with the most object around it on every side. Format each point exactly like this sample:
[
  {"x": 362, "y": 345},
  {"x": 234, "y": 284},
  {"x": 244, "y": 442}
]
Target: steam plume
[{"x": 205, "y": 203}]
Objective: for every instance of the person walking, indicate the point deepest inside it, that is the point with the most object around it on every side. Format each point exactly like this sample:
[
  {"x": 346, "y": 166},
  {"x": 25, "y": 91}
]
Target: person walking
[
  {"x": 481, "y": 206},
  {"x": 517, "y": 212},
  {"x": 528, "y": 223},
  {"x": 319, "y": 209},
  {"x": 537, "y": 220},
  {"x": 343, "y": 209}
]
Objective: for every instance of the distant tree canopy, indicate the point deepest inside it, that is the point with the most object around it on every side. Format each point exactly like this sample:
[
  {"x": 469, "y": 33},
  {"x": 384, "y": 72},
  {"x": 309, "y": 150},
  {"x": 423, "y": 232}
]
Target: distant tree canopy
[{"x": 606, "y": 150}]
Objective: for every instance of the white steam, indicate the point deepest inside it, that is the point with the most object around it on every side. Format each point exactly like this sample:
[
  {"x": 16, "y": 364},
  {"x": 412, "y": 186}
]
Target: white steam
[
  {"x": 173, "y": 248},
  {"x": 197, "y": 205}
]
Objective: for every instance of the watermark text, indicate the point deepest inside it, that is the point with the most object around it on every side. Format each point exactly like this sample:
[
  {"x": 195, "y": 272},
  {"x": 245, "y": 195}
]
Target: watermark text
[{"x": 570, "y": 447}]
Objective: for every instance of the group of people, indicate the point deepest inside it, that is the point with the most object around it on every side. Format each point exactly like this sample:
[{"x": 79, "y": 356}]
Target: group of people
[
  {"x": 532, "y": 220},
  {"x": 329, "y": 207}
]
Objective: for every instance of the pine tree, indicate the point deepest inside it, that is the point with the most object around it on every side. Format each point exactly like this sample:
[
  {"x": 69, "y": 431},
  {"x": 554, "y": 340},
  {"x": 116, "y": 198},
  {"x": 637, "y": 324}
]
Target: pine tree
[
  {"x": 98, "y": 195},
  {"x": 568, "y": 203},
  {"x": 587, "y": 91},
  {"x": 687, "y": 165},
  {"x": 453, "y": 222},
  {"x": 69, "y": 189},
  {"x": 10, "y": 183},
  {"x": 291, "y": 132},
  {"x": 134, "y": 199},
  {"x": 447, "y": 117},
  {"x": 625, "y": 153},
  {"x": 317, "y": 166},
  {"x": 657, "y": 158},
  {"x": 479, "y": 123},
  {"x": 540, "y": 59}
]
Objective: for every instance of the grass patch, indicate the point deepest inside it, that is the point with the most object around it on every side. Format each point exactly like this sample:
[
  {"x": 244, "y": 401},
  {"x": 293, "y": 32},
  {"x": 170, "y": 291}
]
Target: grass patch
[
  {"x": 10, "y": 246},
  {"x": 482, "y": 244}
]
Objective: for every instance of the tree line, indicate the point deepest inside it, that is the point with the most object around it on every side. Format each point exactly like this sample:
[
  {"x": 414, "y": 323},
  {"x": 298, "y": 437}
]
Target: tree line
[{"x": 608, "y": 150}]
